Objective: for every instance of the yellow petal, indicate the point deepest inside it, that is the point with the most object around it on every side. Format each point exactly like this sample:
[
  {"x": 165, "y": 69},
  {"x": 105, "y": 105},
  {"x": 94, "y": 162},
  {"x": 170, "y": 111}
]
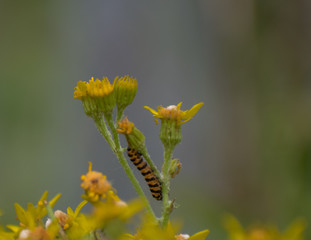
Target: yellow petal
[
  {"x": 200, "y": 235},
  {"x": 44, "y": 196},
  {"x": 20, "y": 212},
  {"x": 154, "y": 112},
  {"x": 190, "y": 113},
  {"x": 70, "y": 211},
  {"x": 13, "y": 228},
  {"x": 54, "y": 200},
  {"x": 79, "y": 207},
  {"x": 179, "y": 105}
]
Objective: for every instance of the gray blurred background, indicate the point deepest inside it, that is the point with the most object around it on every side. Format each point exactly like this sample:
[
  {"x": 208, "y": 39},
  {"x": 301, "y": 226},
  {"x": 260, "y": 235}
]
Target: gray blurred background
[{"x": 246, "y": 152}]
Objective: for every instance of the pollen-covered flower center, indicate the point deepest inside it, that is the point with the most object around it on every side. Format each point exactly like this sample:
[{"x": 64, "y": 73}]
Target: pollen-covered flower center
[
  {"x": 95, "y": 183},
  {"x": 125, "y": 126},
  {"x": 171, "y": 112}
]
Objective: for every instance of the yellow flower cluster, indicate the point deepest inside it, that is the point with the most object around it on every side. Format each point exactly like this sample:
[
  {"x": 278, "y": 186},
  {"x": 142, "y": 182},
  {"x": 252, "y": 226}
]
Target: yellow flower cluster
[
  {"x": 93, "y": 88},
  {"x": 95, "y": 185},
  {"x": 100, "y": 96}
]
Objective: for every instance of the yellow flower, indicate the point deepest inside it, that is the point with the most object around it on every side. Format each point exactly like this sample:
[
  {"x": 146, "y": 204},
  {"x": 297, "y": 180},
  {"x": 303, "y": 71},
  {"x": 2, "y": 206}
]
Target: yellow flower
[
  {"x": 237, "y": 232},
  {"x": 29, "y": 218},
  {"x": 95, "y": 185},
  {"x": 93, "y": 88},
  {"x": 66, "y": 220},
  {"x": 171, "y": 120},
  {"x": 97, "y": 96},
  {"x": 126, "y": 88},
  {"x": 125, "y": 126},
  {"x": 174, "y": 113},
  {"x": 135, "y": 138}
]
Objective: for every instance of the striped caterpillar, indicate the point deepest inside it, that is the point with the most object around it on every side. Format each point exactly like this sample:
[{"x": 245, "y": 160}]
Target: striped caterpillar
[{"x": 154, "y": 183}]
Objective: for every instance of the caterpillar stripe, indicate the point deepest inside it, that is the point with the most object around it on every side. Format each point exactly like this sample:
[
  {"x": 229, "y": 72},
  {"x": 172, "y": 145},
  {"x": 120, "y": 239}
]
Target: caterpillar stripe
[{"x": 152, "y": 180}]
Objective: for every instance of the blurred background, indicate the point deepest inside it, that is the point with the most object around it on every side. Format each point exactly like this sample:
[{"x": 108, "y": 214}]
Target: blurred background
[{"x": 247, "y": 151}]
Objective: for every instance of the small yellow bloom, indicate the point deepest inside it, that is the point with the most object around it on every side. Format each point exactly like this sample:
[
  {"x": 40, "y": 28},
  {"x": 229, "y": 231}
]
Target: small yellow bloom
[
  {"x": 174, "y": 113},
  {"x": 125, "y": 126},
  {"x": 135, "y": 138},
  {"x": 95, "y": 185},
  {"x": 126, "y": 88},
  {"x": 66, "y": 220},
  {"x": 97, "y": 96},
  {"x": 93, "y": 88}
]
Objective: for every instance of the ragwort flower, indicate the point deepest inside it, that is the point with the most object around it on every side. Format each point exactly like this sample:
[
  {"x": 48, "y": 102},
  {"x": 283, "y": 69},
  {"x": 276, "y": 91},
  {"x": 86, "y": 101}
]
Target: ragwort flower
[
  {"x": 171, "y": 120},
  {"x": 95, "y": 185},
  {"x": 173, "y": 113},
  {"x": 134, "y": 137},
  {"x": 125, "y": 90},
  {"x": 97, "y": 96},
  {"x": 66, "y": 220}
]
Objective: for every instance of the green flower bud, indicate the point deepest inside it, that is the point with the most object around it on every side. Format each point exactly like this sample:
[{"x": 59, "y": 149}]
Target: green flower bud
[
  {"x": 125, "y": 91},
  {"x": 134, "y": 137}
]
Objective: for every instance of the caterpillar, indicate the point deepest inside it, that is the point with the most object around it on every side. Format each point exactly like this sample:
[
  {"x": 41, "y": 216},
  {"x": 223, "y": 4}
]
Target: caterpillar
[{"x": 154, "y": 183}]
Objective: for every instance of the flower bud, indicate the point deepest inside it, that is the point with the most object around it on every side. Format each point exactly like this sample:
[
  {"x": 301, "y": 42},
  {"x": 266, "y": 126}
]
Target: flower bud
[
  {"x": 97, "y": 96},
  {"x": 134, "y": 137},
  {"x": 125, "y": 90}
]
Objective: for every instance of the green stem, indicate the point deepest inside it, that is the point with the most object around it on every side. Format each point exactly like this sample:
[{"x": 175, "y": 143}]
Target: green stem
[
  {"x": 166, "y": 208},
  {"x": 119, "y": 114},
  {"x": 146, "y": 155},
  {"x": 102, "y": 127},
  {"x": 125, "y": 165}
]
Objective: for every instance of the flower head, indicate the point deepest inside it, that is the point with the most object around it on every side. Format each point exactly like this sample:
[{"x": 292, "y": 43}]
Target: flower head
[
  {"x": 125, "y": 126},
  {"x": 134, "y": 137},
  {"x": 171, "y": 120},
  {"x": 125, "y": 88},
  {"x": 95, "y": 185},
  {"x": 97, "y": 96},
  {"x": 173, "y": 113}
]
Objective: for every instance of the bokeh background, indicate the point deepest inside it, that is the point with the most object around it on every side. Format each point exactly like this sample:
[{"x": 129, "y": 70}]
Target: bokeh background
[{"x": 247, "y": 151}]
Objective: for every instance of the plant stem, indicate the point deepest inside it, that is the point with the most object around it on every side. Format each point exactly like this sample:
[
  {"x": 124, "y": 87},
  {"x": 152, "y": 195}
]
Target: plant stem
[
  {"x": 119, "y": 114},
  {"x": 146, "y": 155},
  {"x": 101, "y": 126},
  {"x": 119, "y": 153},
  {"x": 166, "y": 208}
]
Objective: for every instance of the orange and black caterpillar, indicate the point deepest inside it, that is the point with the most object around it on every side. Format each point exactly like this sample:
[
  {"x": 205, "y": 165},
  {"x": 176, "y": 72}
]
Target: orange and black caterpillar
[{"x": 154, "y": 183}]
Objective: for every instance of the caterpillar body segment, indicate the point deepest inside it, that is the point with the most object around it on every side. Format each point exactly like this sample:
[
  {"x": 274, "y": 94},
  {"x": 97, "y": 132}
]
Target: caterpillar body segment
[{"x": 152, "y": 180}]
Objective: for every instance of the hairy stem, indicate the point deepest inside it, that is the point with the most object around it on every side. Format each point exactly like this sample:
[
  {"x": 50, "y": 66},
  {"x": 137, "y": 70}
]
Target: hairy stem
[
  {"x": 166, "y": 208},
  {"x": 146, "y": 155},
  {"x": 102, "y": 127}
]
